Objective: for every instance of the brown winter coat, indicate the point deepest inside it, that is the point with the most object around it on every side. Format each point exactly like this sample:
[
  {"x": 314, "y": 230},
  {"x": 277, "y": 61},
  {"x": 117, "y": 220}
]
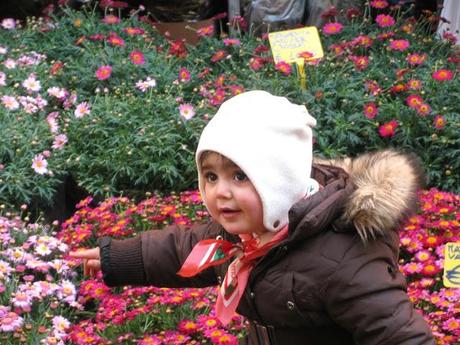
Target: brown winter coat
[{"x": 333, "y": 281}]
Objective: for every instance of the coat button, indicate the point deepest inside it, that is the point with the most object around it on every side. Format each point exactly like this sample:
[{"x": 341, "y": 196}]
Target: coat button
[
  {"x": 290, "y": 305},
  {"x": 252, "y": 295}
]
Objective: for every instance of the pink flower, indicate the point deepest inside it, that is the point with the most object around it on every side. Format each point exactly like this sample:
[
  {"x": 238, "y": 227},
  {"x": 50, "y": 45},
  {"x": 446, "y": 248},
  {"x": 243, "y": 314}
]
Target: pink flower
[
  {"x": 400, "y": 45},
  {"x": 186, "y": 111},
  {"x": 387, "y": 130},
  {"x": 332, "y": 28},
  {"x": 384, "y": 20},
  {"x": 184, "y": 75},
  {"x": 439, "y": 122},
  {"x": 231, "y": 42},
  {"x": 414, "y": 101},
  {"x": 414, "y": 84},
  {"x": 111, "y": 19},
  {"x": 370, "y": 110},
  {"x": 205, "y": 31},
  {"x": 104, "y": 72},
  {"x": 361, "y": 62},
  {"x": 59, "y": 141},
  {"x": 82, "y": 109},
  {"x": 442, "y": 75},
  {"x": 10, "y": 321},
  {"x": 379, "y": 4},
  {"x": 423, "y": 109},
  {"x": 39, "y": 164},
  {"x": 416, "y": 59},
  {"x": 116, "y": 40},
  {"x": 137, "y": 57},
  {"x": 283, "y": 67}
]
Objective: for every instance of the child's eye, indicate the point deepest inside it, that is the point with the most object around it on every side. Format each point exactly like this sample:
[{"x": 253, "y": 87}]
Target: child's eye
[
  {"x": 240, "y": 176},
  {"x": 210, "y": 177}
]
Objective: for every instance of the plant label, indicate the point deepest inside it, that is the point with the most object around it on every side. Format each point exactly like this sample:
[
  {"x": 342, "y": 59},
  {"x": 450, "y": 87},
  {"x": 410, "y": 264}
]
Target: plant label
[{"x": 451, "y": 277}]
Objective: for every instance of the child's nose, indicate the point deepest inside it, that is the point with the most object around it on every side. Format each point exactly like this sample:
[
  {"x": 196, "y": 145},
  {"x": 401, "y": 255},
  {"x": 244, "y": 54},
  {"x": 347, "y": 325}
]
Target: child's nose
[{"x": 224, "y": 189}]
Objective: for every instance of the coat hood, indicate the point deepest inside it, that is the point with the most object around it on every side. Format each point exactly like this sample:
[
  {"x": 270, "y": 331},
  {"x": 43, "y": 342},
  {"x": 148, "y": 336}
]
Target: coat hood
[{"x": 372, "y": 193}]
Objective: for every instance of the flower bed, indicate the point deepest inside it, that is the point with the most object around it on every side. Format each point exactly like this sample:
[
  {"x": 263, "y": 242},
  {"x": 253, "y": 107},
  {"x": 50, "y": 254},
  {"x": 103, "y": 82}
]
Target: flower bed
[
  {"x": 120, "y": 108},
  {"x": 46, "y": 306}
]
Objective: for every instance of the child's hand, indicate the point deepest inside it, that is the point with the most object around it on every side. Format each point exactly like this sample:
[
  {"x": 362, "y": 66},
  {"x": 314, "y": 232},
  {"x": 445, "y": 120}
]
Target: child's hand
[{"x": 91, "y": 260}]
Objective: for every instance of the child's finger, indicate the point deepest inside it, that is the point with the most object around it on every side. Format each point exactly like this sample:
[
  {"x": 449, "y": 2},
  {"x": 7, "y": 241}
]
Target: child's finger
[{"x": 85, "y": 253}]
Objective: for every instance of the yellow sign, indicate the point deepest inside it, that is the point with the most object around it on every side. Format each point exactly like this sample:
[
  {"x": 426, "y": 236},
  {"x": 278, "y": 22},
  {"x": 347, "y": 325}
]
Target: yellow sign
[
  {"x": 451, "y": 276},
  {"x": 287, "y": 45}
]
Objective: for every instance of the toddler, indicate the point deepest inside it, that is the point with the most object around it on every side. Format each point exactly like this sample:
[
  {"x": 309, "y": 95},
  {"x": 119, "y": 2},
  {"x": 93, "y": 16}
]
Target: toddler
[{"x": 308, "y": 253}]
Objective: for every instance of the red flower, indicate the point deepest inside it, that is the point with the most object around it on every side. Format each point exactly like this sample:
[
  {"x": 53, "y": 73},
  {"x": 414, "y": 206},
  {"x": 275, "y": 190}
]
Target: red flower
[
  {"x": 283, "y": 67},
  {"x": 442, "y": 75},
  {"x": 398, "y": 88},
  {"x": 256, "y": 63},
  {"x": 56, "y": 67},
  {"x": 219, "y": 55},
  {"x": 387, "y": 130},
  {"x": 137, "y": 57},
  {"x": 178, "y": 49},
  {"x": 370, "y": 110}
]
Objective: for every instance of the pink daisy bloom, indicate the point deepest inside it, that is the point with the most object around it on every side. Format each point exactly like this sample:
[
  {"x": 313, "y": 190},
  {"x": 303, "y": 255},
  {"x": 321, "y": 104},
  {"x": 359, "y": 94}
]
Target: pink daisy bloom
[
  {"x": 39, "y": 164},
  {"x": 379, "y": 4},
  {"x": 414, "y": 101},
  {"x": 116, "y": 41},
  {"x": 283, "y": 67},
  {"x": 184, "y": 75},
  {"x": 384, "y": 20},
  {"x": 370, "y": 110},
  {"x": 414, "y": 84},
  {"x": 423, "y": 109},
  {"x": 137, "y": 57},
  {"x": 104, "y": 72},
  {"x": 82, "y": 109},
  {"x": 111, "y": 19},
  {"x": 416, "y": 59},
  {"x": 387, "y": 130},
  {"x": 442, "y": 75},
  {"x": 231, "y": 42},
  {"x": 186, "y": 111},
  {"x": 205, "y": 31},
  {"x": 439, "y": 122},
  {"x": 59, "y": 141},
  {"x": 332, "y": 28},
  {"x": 400, "y": 45}
]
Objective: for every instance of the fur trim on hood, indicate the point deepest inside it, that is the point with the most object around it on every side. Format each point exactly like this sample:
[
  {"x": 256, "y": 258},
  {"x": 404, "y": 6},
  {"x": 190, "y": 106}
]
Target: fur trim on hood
[{"x": 386, "y": 190}]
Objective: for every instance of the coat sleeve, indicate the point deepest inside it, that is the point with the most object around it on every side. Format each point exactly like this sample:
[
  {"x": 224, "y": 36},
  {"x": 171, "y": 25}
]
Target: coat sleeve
[
  {"x": 367, "y": 296},
  {"x": 154, "y": 257}
]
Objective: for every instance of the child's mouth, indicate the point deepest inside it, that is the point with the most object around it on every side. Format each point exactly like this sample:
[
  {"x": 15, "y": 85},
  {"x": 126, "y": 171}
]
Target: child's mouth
[{"x": 229, "y": 213}]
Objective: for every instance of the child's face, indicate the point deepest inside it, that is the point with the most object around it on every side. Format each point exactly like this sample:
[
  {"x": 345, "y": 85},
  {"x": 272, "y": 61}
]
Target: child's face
[{"x": 230, "y": 197}]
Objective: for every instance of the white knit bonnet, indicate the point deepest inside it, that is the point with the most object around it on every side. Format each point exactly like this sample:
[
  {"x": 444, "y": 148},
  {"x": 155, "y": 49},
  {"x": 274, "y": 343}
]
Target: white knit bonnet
[{"x": 270, "y": 139}]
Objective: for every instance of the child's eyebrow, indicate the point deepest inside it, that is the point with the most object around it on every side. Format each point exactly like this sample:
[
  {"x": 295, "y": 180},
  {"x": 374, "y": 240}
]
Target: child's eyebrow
[{"x": 206, "y": 167}]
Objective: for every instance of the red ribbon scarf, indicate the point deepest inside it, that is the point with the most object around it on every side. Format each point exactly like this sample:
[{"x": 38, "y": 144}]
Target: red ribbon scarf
[{"x": 213, "y": 252}]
